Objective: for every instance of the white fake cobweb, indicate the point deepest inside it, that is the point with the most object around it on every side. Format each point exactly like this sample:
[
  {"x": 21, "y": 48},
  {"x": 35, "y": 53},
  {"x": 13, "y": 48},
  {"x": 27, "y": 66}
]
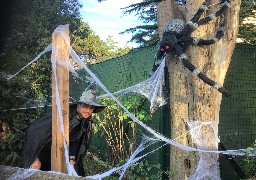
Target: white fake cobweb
[
  {"x": 146, "y": 142},
  {"x": 152, "y": 89},
  {"x": 22, "y": 174},
  {"x": 204, "y": 136}
]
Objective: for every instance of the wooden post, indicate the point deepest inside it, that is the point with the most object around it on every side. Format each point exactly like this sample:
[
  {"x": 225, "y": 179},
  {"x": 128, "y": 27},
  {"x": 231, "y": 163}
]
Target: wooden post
[{"x": 60, "y": 52}]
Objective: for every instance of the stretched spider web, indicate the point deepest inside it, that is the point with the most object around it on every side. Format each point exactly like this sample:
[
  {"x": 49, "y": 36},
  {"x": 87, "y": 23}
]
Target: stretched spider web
[{"x": 152, "y": 89}]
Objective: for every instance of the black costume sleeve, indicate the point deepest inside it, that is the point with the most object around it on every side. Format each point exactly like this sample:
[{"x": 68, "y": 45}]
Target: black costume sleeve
[
  {"x": 38, "y": 135},
  {"x": 87, "y": 128},
  {"x": 38, "y": 138}
]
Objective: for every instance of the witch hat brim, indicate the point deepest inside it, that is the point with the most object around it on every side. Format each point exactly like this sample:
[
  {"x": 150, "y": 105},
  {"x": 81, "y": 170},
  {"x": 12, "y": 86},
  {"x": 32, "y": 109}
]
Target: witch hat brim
[
  {"x": 97, "y": 107},
  {"x": 89, "y": 97}
]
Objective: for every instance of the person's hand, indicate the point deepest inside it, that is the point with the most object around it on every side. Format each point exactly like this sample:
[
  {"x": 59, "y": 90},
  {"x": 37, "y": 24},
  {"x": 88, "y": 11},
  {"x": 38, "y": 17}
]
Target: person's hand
[
  {"x": 72, "y": 160},
  {"x": 36, "y": 164}
]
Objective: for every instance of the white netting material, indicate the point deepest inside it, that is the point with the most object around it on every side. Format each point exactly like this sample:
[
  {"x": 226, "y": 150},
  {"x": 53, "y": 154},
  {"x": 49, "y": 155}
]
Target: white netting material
[
  {"x": 207, "y": 155},
  {"x": 204, "y": 136},
  {"x": 70, "y": 168},
  {"x": 54, "y": 58},
  {"x": 22, "y": 174},
  {"x": 146, "y": 142},
  {"x": 47, "y": 49},
  {"x": 151, "y": 88}
]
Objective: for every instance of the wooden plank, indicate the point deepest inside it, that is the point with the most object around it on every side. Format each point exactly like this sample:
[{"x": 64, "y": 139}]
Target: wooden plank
[{"x": 60, "y": 52}]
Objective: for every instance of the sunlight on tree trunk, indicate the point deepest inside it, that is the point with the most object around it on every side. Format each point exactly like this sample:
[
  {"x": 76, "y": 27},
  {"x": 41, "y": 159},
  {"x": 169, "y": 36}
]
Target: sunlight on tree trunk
[{"x": 190, "y": 97}]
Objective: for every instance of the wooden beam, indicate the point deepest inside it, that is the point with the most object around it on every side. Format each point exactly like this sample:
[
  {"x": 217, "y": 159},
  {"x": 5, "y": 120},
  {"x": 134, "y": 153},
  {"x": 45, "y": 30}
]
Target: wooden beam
[{"x": 60, "y": 52}]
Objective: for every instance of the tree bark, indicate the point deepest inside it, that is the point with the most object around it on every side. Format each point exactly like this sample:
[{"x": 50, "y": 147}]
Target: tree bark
[{"x": 190, "y": 98}]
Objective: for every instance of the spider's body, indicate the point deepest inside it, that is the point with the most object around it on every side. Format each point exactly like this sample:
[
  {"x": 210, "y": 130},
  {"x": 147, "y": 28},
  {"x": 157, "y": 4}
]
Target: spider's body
[{"x": 177, "y": 36}]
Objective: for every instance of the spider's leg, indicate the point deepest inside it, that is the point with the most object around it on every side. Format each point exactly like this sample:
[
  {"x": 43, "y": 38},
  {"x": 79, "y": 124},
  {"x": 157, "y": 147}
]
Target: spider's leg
[
  {"x": 199, "y": 12},
  {"x": 225, "y": 5},
  {"x": 196, "y": 71},
  {"x": 157, "y": 62},
  {"x": 218, "y": 36},
  {"x": 192, "y": 25},
  {"x": 196, "y": 41}
]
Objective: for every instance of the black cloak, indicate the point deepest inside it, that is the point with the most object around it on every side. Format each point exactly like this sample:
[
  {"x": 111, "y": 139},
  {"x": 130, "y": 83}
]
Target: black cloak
[{"x": 39, "y": 138}]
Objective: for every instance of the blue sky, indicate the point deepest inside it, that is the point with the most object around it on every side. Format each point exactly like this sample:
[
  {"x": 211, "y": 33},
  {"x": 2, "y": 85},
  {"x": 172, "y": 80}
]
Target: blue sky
[{"x": 107, "y": 18}]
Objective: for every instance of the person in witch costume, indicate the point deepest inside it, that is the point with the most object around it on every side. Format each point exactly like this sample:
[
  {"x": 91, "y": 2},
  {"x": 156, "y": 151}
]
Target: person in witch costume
[{"x": 37, "y": 146}]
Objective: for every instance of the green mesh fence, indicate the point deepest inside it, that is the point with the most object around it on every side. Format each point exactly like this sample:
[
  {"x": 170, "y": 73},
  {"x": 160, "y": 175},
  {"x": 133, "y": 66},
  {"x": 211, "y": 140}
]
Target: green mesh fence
[
  {"x": 237, "y": 127},
  {"x": 117, "y": 74},
  {"x": 121, "y": 72}
]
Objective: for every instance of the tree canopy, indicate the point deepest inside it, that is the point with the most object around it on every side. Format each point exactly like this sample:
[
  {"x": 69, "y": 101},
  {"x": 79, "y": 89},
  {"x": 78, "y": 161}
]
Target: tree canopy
[
  {"x": 28, "y": 31},
  {"x": 247, "y": 27},
  {"x": 147, "y": 34},
  {"x": 147, "y": 12}
]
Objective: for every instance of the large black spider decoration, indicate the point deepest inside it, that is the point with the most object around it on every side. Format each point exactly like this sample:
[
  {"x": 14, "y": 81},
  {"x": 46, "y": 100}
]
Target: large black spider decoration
[{"x": 177, "y": 37}]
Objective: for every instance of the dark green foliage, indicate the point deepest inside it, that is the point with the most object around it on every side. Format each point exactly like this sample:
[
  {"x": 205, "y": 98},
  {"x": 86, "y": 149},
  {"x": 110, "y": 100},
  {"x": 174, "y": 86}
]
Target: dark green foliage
[
  {"x": 93, "y": 165},
  {"x": 247, "y": 30},
  {"x": 10, "y": 94},
  {"x": 17, "y": 122},
  {"x": 147, "y": 12},
  {"x": 145, "y": 35},
  {"x": 28, "y": 33},
  {"x": 248, "y": 33},
  {"x": 31, "y": 24},
  {"x": 141, "y": 170},
  {"x": 144, "y": 170},
  {"x": 33, "y": 84},
  {"x": 250, "y": 163}
]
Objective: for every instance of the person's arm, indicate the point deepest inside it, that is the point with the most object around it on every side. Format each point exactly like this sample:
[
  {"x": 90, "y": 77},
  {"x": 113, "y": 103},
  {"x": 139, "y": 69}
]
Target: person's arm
[
  {"x": 38, "y": 134},
  {"x": 36, "y": 164}
]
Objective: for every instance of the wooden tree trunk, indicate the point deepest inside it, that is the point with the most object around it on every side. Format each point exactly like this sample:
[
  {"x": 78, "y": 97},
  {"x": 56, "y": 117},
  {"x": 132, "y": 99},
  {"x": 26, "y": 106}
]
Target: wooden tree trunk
[
  {"x": 191, "y": 98},
  {"x": 60, "y": 53}
]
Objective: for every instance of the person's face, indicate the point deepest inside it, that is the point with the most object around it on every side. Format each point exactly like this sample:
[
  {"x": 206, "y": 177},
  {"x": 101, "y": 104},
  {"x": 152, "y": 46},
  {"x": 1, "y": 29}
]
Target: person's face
[{"x": 85, "y": 110}]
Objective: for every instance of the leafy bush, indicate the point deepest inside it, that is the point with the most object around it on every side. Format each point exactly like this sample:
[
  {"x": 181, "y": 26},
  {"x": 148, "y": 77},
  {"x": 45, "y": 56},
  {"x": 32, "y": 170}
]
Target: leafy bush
[
  {"x": 11, "y": 144},
  {"x": 141, "y": 170},
  {"x": 250, "y": 162}
]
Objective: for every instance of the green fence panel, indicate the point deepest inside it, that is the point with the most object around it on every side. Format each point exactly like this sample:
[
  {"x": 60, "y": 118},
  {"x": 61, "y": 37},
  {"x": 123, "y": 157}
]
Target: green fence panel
[
  {"x": 120, "y": 73},
  {"x": 237, "y": 127}
]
